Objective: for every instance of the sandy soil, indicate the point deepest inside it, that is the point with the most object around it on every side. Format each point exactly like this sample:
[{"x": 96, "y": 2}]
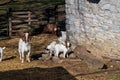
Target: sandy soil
[{"x": 11, "y": 67}]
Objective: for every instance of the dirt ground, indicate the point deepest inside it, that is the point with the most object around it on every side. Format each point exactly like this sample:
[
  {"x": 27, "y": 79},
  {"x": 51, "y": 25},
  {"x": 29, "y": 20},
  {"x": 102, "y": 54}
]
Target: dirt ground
[{"x": 11, "y": 67}]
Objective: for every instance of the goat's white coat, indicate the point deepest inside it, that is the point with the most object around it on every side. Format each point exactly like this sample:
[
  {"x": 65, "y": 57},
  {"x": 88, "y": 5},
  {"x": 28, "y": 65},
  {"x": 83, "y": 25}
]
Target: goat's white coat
[
  {"x": 60, "y": 48},
  {"x": 1, "y": 52},
  {"x": 51, "y": 47},
  {"x": 57, "y": 48},
  {"x": 24, "y": 46}
]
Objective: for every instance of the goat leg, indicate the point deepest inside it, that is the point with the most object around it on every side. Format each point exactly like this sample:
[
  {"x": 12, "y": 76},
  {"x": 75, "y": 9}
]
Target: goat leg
[
  {"x": 28, "y": 56},
  {"x": 0, "y": 57},
  {"x": 22, "y": 57}
]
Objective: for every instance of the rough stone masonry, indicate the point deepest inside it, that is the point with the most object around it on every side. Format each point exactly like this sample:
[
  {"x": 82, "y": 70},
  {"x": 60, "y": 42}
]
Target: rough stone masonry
[{"x": 95, "y": 24}]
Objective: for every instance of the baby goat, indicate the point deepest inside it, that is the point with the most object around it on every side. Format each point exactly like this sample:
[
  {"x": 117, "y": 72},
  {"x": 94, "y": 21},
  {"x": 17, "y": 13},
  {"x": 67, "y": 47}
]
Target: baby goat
[
  {"x": 57, "y": 48},
  {"x": 51, "y": 48},
  {"x": 61, "y": 48},
  {"x": 1, "y": 52},
  {"x": 24, "y": 46}
]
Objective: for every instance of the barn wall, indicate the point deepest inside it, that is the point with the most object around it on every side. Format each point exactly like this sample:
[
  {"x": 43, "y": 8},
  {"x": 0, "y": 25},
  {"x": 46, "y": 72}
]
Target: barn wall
[{"x": 95, "y": 24}]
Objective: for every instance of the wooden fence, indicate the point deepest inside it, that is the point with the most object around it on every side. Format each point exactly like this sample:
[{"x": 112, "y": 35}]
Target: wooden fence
[
  {"x": 20, "y": 20},
  {"x": 3, "y": 24}
]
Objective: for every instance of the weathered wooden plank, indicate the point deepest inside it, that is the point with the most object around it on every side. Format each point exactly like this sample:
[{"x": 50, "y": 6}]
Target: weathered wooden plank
[
  {"x": 21, "y": 12},
  {"x": 16, "y": 31},
  {"x": 5, "y": 29},
  {"x": 10, "y": 27},
  {"x": 18, "y": 21},
  {"x": 2, "y": 31},
  {"x": 18, "y": 27},
  {"x": 23, "y": 16}
]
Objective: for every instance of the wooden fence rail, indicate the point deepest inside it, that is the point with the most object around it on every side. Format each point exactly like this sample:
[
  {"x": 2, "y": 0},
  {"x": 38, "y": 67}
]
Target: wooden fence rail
[
  {"x": 20, "y": 17},
  {"x": 3, "y": 25}
]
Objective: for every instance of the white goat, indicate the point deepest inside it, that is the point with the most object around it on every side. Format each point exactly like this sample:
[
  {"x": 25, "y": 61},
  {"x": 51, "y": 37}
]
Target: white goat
[
  {"x": 61, "y": 48},
  {"x": 1, "y": 52},
  {"x": 51, "y": 48},
  {"x": 24, "y": 46},
  {"x": 57, "y": 48}
]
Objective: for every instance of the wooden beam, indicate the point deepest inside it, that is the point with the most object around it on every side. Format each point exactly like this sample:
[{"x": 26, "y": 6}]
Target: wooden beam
[
  {"x": 10, "y": 27},
  {"x": 29, "y": 18},
  {"x": 18, "y": 21},
  {"x": 25, "y": 12}
]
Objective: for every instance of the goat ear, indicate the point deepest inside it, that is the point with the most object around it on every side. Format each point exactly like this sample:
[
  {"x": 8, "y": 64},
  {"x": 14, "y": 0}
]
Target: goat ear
[{"x": 3, "y": 47}]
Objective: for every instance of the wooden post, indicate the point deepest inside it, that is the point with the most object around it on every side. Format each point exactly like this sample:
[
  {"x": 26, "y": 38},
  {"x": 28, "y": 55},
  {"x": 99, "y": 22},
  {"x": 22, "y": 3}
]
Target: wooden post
[
  {"x": 10, "y": 27},
  {"x": 29, "y": 18}
]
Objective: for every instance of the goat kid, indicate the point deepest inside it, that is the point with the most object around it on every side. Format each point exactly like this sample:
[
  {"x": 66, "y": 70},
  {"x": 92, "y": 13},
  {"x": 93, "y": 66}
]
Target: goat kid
[
  {"x": 1, "y": 52},
  {"x": 57, "y": 48},
  {"x": 24, "y": 46},
  {"x": 61, "y": 48},
  {"x": 50, "y": 48}
]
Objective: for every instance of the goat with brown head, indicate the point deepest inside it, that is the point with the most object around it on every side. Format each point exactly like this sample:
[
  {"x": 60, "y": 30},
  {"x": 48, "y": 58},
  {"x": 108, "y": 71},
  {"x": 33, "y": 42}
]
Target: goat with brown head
[
  {"x": 24, "y": 46},
  {"x": 51, "y": 28}
]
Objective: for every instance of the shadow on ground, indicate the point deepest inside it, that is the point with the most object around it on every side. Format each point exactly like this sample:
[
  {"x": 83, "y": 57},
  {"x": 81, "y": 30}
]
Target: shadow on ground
[
  {"x": 9, "y": 58},
  {"x": 56, "y": 73}
]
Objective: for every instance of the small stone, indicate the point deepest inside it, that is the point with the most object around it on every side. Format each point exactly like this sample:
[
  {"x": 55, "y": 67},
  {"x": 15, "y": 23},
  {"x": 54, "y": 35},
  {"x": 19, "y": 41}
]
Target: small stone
[
  {"x": 56, "y": 59},
  {"x": 72, "y": 55}
]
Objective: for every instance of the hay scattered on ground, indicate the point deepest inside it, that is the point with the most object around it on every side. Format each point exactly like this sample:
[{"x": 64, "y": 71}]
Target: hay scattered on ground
[{"x": 73, "y": 68}]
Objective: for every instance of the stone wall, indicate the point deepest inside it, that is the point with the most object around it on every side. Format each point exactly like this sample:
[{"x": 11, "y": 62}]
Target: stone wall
[{"x": 95, "y": 25}]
